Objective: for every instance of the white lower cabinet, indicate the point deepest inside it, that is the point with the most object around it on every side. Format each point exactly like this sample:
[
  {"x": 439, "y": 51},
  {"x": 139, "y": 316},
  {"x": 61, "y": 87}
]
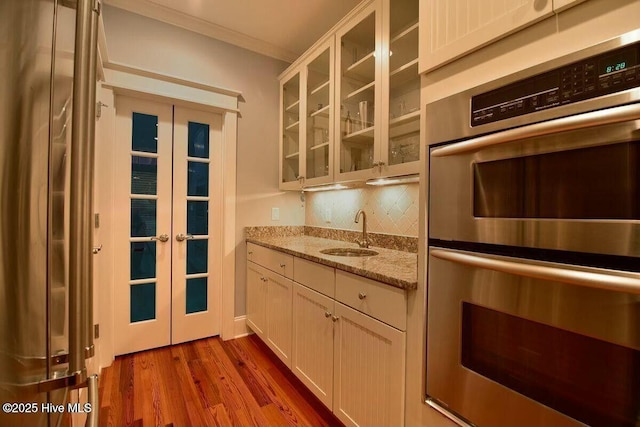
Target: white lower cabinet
[
  {"x": 369, "y": 360},
  {"x": 279, "y": 322},
  {"x": 269, "y": 301},
  {"x": 256, "y": 299},
  {"x": 353, "y": 362},
  {"x": 312, "y": 354}
]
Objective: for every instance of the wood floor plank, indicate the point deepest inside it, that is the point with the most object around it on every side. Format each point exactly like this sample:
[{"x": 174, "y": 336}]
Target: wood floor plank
[
  {"x": 126, "y": 385},
  {"x": 173, "y": 399},
  {"x": 207, "y": 383}
]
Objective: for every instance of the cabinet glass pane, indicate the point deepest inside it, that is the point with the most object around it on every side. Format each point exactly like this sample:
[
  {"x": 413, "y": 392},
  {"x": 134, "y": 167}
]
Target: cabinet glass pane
[
  {"x": 196, "y": 295},
  {"x": 404, "y": 83},
  {"x": 357, "y": 95},
  {"x": 143, "y": 260},
  {"x": 144, "y": 175},
  {"x": 143, "y": 302},
  {"x": 319, "y": 111},
  {"x": 198, "y": 179},
  {"x": 143, "y": 218},
  {"x": 145, "y": 133},
  {"x": 198, "y": 140},
  {"x": 291, "y": 129},
  {"x": 197, "y": 217},
  {"x": 197, "y": 254}
]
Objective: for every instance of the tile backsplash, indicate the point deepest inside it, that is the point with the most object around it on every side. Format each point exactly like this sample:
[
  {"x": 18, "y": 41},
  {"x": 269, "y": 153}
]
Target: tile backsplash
[{"x": 391, "y": 210}]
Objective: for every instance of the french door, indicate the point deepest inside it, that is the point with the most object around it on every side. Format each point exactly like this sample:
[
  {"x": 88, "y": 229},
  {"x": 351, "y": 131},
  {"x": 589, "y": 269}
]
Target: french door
[{"x": 169, "y": 227}]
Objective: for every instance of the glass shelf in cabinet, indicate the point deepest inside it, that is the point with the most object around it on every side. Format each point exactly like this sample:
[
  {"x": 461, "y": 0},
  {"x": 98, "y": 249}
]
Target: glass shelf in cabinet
[
  {"x": 292, "y": 127},
  {"x": 292, "y": 107},
  {"x": 404, "y": 74},
  {"x": 324, "y": 87},
  {"x": 363, "y": 69},
  {"x": 322, "y": 112},
  {"x": 364, "y": 93},
  {"x": 360, "y": 136}
]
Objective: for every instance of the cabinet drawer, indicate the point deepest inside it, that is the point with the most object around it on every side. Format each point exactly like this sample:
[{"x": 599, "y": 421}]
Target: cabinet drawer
[
  {"x": 316, "y": 276},
  {"x": 276, "y": 261},
  {"x": 380, "y": 301}
]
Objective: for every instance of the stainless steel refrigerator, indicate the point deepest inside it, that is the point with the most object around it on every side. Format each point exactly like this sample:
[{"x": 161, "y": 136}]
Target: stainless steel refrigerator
[{"x": 47, "y": 121}]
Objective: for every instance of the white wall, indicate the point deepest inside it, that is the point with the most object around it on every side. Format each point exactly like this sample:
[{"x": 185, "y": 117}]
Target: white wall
[
  {"x": 140, "y": 42},
  {"x": 573, "y": 29}
]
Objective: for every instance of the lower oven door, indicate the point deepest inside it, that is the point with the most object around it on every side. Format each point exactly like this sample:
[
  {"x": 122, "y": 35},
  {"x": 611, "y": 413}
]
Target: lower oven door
[{"x": 519, "y": 342}]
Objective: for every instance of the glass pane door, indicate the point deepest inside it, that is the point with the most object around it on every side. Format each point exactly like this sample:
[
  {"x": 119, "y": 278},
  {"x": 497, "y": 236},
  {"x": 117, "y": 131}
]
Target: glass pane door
[
  {"x": 291, "y": 129},
  {"x": 357, "y": 95},
  {"x": 319, "y": 114},
  {"x": 404, "y": 83}
]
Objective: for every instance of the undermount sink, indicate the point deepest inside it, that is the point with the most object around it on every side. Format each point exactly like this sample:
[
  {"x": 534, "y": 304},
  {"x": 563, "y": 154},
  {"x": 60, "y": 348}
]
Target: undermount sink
[{"x": 349, "y": 252}]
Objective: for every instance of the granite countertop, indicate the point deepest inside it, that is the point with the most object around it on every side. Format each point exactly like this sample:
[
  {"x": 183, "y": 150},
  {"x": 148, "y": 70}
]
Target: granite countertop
[{"x": 393, "y": 267}]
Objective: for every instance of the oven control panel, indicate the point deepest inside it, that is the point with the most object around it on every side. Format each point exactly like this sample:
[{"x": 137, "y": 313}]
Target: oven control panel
[{"x": 599, "y": 75}]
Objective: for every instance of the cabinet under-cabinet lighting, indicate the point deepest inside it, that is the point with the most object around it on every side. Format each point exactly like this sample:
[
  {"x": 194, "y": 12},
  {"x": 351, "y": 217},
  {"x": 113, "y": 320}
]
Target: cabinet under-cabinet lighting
[{"x": 394, "y": 180}]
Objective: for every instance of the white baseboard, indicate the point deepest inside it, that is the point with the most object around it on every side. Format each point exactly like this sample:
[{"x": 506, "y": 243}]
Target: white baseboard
[{"x": 240, "y": 328}]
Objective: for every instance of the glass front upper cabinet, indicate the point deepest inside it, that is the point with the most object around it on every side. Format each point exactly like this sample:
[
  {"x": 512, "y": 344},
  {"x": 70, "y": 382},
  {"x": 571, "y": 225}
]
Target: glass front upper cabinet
[
  {"x": 358, "y": 93},
  {"x": 319, "y": 116},
  {"x": 290, "y": 131},
  {"x": 404, "y": 88}
]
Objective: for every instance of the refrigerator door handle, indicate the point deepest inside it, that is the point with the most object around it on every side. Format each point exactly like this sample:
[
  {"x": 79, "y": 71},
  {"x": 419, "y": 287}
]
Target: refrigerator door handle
[
  {"x": 92, "y": 399},
  {"x": 82, "y": 152}
]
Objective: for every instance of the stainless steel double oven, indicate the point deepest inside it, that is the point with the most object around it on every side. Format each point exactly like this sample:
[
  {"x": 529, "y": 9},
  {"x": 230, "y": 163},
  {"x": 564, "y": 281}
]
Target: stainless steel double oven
[{"x": 534, "y": 244}]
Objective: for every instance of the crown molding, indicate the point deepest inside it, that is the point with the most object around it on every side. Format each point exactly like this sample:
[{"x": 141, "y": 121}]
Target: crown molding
[{"x": 180, "y": 19}]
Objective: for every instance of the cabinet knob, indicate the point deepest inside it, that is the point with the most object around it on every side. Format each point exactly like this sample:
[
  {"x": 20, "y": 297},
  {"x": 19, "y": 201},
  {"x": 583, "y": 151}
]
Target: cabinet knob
[
  {"x": 335, "y": 318},
  {"x": 362, "y": 295},
  {"x": 283, "y": 265},
  {"x": 250, "y": 252},
  {"x": 327, "y": 314}
]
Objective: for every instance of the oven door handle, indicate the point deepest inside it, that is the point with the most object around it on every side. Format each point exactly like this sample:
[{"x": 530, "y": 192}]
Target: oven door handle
[
  {"x": 594, "y": 118},
  {"x": 611, "y": 281}
]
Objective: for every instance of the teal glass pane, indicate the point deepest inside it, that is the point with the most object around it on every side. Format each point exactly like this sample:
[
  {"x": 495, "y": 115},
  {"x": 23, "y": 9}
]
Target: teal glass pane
[
  {"x": 198, "y": 179},
  {"x": 143, "y": 260},
  {"x": 143, "y": 302},
  {"x": 197, "y": 217},
  {"x": 198, "y": 140},
  {"x": 143, "y": 218},
  {"x": 196, "y": 295},
  {"x": 144, "y": 175},
  {"x": 145, "y": 133},
  {"x": 197, "y": 253}
]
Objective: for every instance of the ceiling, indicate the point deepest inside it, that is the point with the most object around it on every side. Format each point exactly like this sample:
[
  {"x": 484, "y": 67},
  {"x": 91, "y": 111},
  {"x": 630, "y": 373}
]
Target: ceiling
[{"x": 282, "y": 29}]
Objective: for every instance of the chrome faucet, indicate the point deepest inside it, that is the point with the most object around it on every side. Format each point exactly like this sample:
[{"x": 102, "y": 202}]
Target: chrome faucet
[{"x": 364, "y": 243}]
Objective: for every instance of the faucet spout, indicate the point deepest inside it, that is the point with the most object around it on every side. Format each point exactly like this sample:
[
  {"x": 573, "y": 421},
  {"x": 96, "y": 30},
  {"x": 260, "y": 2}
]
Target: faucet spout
[{"x": 364, "y": 243}]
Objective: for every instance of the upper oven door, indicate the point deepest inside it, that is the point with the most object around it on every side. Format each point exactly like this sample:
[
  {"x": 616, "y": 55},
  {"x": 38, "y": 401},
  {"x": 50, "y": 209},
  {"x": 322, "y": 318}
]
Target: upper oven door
[{"x": 570, "y": 184}]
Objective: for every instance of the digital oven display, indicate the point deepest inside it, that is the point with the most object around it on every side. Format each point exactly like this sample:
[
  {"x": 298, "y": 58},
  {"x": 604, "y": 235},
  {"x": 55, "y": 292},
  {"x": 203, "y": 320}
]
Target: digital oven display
[{"x": 620, "y": 61}]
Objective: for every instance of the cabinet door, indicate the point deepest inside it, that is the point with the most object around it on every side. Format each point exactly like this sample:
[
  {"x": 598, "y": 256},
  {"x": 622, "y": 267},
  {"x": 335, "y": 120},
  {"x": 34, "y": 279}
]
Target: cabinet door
[
  {"x": 312, "y": 355},
  {"x": 400, "y": 149},
  {"x": 369, "y": 359},
  {"x": 256, "y": 299},
  {"x": 319, "y": 94},
  {"x": 291, "y": 157},
  {"x": 359, "y": 92},
  {"x": 279, "y": 313},
  {"x": 453, "y": 28}
]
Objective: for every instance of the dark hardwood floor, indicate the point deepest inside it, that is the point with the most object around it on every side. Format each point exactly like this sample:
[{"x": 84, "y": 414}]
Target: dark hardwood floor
[{"x": 207, "y": 383}]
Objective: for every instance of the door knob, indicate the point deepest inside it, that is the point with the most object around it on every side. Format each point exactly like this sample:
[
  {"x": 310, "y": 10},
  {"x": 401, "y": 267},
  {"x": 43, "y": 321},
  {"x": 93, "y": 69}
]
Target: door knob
[
  {"x": 182, "y": 237},
  {"x": 162, "y": 238}
]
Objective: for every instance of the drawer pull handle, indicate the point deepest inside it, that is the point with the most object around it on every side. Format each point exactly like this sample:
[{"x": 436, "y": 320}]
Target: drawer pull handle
[
  {"x": 362, "y": 295},
  {"x": 283, "y": 265},
  {"x": 250, "y": 252},
  {"x": 327, "y": 314},
  {"x": 334, "y": 318}
]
